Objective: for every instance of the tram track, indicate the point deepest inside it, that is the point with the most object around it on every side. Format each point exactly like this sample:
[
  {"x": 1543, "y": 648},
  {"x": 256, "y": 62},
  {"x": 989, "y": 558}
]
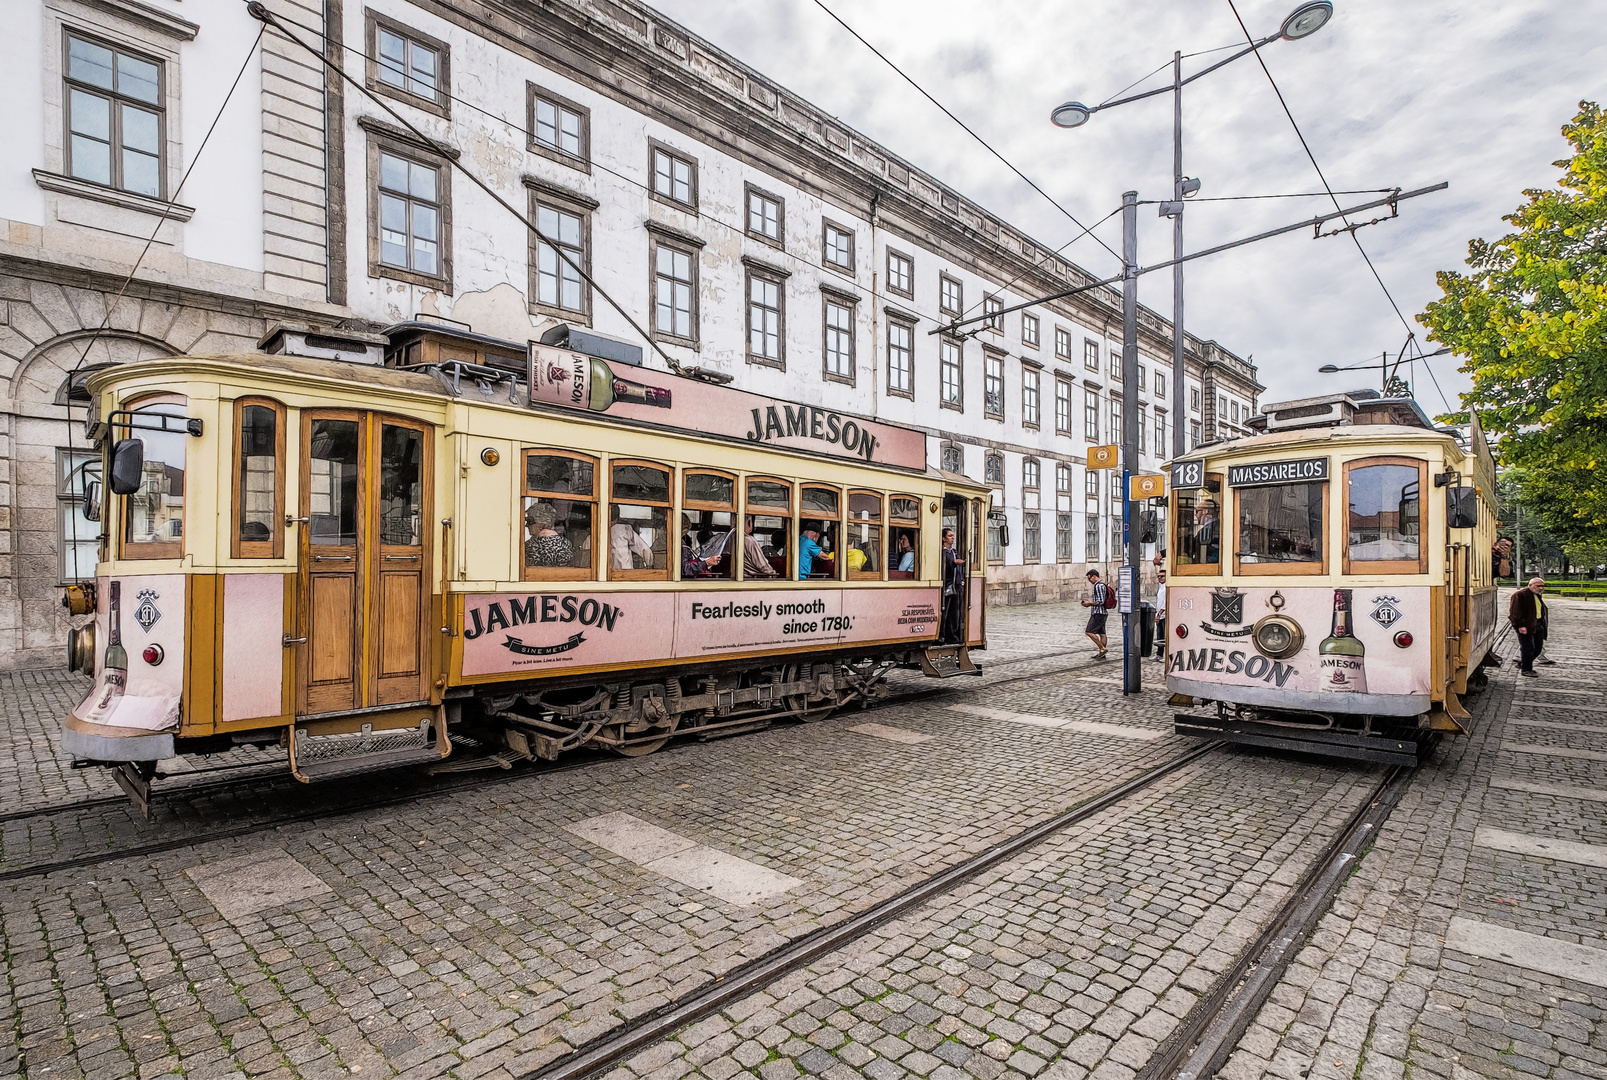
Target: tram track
[{"x": 454, "y": 787}]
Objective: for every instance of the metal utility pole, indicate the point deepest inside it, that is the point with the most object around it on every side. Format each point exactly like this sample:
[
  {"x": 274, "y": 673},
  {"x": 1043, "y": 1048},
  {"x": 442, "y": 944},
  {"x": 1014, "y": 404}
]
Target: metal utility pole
[
  {"x": 1179, "y": 372},
  {"x": 1132, "y": 637}
]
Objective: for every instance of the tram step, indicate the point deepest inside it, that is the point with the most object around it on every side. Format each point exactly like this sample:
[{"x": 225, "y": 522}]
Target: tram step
[
  {"x": 315, "y": 757},
  {"x": 947, "y": 661}
]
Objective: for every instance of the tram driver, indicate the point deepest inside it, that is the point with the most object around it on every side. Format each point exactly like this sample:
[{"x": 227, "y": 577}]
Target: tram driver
[{"x": 1206, "y": 540}]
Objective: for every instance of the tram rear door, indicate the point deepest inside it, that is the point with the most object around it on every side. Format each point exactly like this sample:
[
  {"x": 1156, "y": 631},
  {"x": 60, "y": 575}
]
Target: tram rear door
[
  {"x": 365, "y": 564},
  {"x": 960, "y": 626}
]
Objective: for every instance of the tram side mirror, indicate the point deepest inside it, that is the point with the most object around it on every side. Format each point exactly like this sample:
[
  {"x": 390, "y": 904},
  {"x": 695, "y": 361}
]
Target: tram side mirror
[
  {"x": 1148, "y": 524},
  {"x": 1461, "y": 507},
  {"x": 128, "y": 466},
  {"x": 92, "y": 496}
]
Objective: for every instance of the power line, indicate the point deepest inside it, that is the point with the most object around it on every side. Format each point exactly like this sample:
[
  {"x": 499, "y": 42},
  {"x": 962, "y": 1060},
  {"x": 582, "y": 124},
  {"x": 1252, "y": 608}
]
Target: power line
[
  {"x": 1313, "y": 159},
  {"x": 1294, "y": 195},
  {"x": 966, "y": 127}
]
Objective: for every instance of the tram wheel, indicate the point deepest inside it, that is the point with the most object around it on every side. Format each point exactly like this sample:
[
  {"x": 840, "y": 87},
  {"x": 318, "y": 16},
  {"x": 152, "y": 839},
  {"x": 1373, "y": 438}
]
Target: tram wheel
[
  {"x": 797, "y": 705},
  {"x": 659, "y": 730}
]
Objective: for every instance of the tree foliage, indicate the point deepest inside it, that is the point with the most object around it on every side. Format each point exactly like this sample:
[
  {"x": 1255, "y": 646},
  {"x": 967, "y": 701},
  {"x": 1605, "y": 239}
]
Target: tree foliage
[{"x": 1530, "y": 318}]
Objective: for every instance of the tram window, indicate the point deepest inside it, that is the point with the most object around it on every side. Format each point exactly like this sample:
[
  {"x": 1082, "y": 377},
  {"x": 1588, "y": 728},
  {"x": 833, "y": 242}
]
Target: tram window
[
  {"x": 1279, "y": 529},
  {"x": 708, "y": 514},
  {"x": 639, "y": 522},
  {"x": 1384, "y": 499},
  {"x": 819, "y": 509},
  {"x": 1197, "y": 542},
  {"x": 770, "y": 514},
  {"x": 332, "y": 461},
  {"x": 259, "y": 488},
  {"x": 560, "y": 502},
  {"x": 904, "y": 515},
  {"x": 401, "y": 486},
  {"x": 154, "y": 514},
  {"x": 862, "y": 536}
]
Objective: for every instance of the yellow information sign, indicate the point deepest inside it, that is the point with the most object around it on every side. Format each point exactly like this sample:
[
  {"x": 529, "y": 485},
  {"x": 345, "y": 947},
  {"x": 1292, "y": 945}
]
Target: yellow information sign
[
  {"x": 1146, "y": 487},
  {"x": 1104, "y": 457}
]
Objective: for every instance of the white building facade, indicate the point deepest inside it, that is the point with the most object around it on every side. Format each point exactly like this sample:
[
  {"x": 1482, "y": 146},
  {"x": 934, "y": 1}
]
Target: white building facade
[{"x": 754, "y": 237}]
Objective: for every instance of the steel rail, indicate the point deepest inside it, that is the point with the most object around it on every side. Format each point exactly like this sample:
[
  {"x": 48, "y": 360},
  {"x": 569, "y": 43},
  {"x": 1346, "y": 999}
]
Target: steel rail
[{"x": 612, "y": 1047}]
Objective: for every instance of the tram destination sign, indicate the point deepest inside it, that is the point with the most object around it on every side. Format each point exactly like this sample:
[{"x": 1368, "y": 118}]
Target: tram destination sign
[
  {"x": 572, "y": 380},
  {"x": 1299, "y": 471}
]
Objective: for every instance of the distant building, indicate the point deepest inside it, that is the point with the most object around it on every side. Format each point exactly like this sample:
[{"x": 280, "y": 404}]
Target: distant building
[{"x": 755, "y": 236}]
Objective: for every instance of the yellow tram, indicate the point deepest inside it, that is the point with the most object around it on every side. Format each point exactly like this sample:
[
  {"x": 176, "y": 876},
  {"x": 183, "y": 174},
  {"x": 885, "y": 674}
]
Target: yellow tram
[
  {"x": 1330, "y": 579},
  {"x": 542, "y": 547}
]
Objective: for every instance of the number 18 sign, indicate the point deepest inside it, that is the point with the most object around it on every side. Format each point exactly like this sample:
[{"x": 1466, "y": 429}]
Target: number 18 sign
[{"x": 1188, "y": 474}]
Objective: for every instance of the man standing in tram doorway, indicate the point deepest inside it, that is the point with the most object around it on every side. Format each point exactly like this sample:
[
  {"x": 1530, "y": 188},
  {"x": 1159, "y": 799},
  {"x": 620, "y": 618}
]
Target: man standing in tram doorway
[
  {"x": 1096, "y": 617},
  {"x": 953, "y": 584},
  {"x": 1523, "y": 612}
]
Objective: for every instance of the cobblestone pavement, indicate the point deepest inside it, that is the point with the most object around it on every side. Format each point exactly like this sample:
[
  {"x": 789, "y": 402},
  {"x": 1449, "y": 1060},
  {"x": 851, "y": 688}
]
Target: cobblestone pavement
[{"x": 472, "y": 934}]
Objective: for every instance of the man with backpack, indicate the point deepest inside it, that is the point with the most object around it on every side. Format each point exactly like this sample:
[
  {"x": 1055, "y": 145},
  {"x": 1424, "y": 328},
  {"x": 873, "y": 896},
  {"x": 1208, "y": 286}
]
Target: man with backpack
[{"x": 1103, "y": 600}]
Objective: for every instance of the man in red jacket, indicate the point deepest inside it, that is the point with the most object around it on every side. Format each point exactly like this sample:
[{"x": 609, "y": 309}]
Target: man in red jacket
[{"x": 1523, "y": 612}]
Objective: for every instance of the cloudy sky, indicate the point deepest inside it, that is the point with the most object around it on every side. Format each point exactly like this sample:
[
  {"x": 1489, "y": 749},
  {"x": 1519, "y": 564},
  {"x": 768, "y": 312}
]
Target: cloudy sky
[{"x": 1390, "y": 93}]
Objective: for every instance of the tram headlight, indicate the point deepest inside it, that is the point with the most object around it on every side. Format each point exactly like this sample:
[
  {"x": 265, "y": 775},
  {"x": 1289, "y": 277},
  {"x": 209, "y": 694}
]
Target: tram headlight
[
  {"x": 81, "y": 650},
  {"x": 1278, "y": 637}
]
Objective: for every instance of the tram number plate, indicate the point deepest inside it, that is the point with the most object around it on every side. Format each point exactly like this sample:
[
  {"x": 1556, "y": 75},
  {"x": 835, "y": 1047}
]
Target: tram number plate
[{"x": 1188, "y": 474}]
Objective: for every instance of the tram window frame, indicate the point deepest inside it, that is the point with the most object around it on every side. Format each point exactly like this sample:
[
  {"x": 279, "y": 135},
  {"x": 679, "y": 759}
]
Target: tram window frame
[
  {"x": 733, "y": 543},
  {"x": 789, "y": 568},
  {"x": 1310, "y": 568},
  {"x": 1213, "y": 484},
  {"x": 898, "y": 525},
  {"x": 645, "y": 573},
  {"x": 876, "y": 525},
  {"x": 528, "y": 493},
  {"x": 274, "y": 547},
  {"x": 1418, "y": 565},
  {"x": 153, "y": 549},
  {"x": 831, "y": 529}
]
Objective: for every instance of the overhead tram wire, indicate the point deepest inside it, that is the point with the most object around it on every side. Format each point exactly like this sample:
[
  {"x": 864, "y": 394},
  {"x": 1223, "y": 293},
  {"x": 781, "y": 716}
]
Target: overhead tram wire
[
  {"x": 258, "y": 11},
  {"x": 520, "y": 128},
  {"x": 966, "y": 127}
]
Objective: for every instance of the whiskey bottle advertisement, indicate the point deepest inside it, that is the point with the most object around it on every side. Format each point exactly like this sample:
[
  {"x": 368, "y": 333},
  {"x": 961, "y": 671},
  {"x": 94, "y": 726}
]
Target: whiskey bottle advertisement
[
  {"x": 100, "y": 704},
  {"x": 577, "y": 381},
  {"x": 1341, "y": 658}
]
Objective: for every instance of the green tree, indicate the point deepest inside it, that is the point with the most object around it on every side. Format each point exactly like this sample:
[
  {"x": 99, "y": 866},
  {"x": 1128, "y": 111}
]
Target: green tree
[{"x": 1530, "y": 317}]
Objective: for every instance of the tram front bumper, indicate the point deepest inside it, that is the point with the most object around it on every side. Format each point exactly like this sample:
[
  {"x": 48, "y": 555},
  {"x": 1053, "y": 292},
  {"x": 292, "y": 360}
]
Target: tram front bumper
[{"x": 86, "y": 745}]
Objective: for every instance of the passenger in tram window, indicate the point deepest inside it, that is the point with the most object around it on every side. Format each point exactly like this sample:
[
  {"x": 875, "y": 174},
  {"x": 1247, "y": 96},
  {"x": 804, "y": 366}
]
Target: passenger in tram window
[
  {"x": 624, "y": 543},
  {"x": 1207, "y": 532},
  {"x": 808, "y": 548},
  {"x": 545, "y": 546},
  {"x": 693, "y": 562},
  {"x": 906, "y": 553},
  {"x": 754, "y": 561}
]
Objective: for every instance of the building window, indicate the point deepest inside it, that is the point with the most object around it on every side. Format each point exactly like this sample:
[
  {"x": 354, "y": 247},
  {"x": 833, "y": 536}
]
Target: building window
[
  {"x": 1221, "y": 407},
  {"x": 79, "y": 548},
  {"x": 674, "y": 291},
  {"x": 953, "y": 459},
  {"x": 993, "y": 384},
  {"x": 1090, "y": 415},
  {"x": 991, "y": 306},
  {"x": 900, "y": 357},
  {"x": 950, "y": 296},
  {"x": 900, "y": 274},
  {"x": 1143, "y": 428},
  {"x": 1030, "y": 474},
  {"x": 1141, "y": 376},
  {"x": 559, "y": 128},
  {"x": 1090, "y": 354},
  {"x": 1062, "y": 343},
  {"x": 766, "y": 320},
  {"x": 1194, "y": 433},
  {"x": 407, "y": 65},
  {"x": 839, "y": 247},
  {"x": 1116, "y": 435},
  {"x": 409, "y": 232},
  {"x": 951, "y": 388},
  {"x": 1194, "y": 398},
  {"x": 1029, "y": 396},
  {"x": 1160, "y": 433},
  {"x": 993, "y": 469},
  {"x": 1029, "y": 538},
  {"x": 674, "y": 177},
  {"x": 1160, "y": 383},
  {"x": 764, "y": 216},
  {"x": 996, "y": 538},
  {"x": 1062, "y": 478},
  {"x": 1091, "y": 534},
  {"x": 1029, "y": 331},
  {"x": 1062, "y": 406},
  {"x": 1062, "y": 537},
  {"x": 1115, "y": 365},
  {"x": 1090, "y": 483},
  {"x": 563, "y": 254},
  {"x": 839, "y": 339},
  {"x": 114, "y": 118},
  {"x": 1233, "y": 407}
]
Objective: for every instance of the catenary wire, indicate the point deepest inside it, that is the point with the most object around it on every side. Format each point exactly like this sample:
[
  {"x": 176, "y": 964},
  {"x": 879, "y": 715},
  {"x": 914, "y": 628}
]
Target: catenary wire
[
  {"x": 966, "y": 127},
  {"x": 1293, "y": 195},
  {"x": 703, "y": 213}
]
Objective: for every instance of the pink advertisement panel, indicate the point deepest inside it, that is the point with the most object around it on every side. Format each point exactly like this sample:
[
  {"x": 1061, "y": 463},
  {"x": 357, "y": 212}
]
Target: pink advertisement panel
[
  {"x": 505, "y": 633},
  {"x": 576, "y": 381},
  {"x": 1362, "y": 641}
]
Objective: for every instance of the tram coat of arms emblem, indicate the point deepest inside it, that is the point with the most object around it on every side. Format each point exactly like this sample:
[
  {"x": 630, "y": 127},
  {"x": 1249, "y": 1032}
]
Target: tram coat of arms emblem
[
  {"x": 1227, "y": 606},
  {"x": 1386, "y": 611},
  {"x": 147, "y": 613}
]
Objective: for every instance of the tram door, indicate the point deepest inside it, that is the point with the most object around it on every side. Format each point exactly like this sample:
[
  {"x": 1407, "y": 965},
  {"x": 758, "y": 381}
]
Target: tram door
[
  {"x": 365, "y": 504},
  {"x": 957, "y": 592}
]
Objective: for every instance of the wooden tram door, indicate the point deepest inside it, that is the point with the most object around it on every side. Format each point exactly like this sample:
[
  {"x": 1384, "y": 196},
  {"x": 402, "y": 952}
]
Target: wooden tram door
[
  {"x": 957, "y": 514},
  {"x": 365, "y": 508}
]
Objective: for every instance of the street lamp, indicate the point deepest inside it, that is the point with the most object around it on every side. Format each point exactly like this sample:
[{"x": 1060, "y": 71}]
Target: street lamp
[{"x": 1302, "y": 22}]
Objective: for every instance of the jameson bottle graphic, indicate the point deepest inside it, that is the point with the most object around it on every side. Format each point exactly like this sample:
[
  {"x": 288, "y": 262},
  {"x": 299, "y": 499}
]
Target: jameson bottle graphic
[
  {"x": 585, "y": 382},
  {"x": 114, "y": 671},
  {"x": 1341, "y": 663}
]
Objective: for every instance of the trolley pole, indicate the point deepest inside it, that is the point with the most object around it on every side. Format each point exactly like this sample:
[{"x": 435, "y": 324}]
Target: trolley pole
[
  {"x": 1179, "y": 370},
  {"x": 1127, "y": 579}
]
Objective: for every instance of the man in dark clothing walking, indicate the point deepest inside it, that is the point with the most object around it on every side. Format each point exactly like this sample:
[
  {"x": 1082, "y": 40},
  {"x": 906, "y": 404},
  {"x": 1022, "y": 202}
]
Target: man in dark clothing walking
[{"x": 1523, "y": 612}]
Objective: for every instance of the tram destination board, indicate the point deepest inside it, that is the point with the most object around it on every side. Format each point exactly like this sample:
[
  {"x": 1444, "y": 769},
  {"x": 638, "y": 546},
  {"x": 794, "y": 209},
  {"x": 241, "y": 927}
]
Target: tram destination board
[{"x": 1298, "y": 471}]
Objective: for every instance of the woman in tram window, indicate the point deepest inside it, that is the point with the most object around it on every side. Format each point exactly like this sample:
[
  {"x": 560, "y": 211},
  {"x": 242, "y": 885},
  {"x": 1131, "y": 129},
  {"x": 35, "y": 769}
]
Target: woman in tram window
[{"x": 546, "y": 546}]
